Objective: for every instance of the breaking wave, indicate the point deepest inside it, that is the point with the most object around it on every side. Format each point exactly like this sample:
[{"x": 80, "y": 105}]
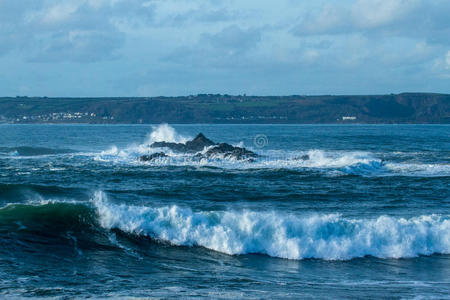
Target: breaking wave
[
  {"x": 328, "y": 236},
  {"x": 335, "y": 162},
  {"x": 320, "y": 236}
]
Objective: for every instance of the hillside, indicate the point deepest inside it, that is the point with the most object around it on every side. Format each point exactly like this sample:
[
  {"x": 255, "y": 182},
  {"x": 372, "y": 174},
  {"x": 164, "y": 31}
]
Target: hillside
[{"x": 208, "y": 108}]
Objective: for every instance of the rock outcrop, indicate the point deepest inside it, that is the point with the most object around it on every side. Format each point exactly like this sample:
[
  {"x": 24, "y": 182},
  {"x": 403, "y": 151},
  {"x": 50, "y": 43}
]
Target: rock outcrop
[
  {"x": 229, "y": 151},
  {"x": 153, "y": 156},
  {"x": 193, "y": 146},
  {"x": 197, "y": 146}
]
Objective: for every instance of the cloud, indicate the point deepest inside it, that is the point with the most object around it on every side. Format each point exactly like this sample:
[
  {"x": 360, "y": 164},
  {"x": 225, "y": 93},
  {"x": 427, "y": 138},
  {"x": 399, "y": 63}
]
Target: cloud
[
  {"x": 59, "y": 12},
  {"x": 76, "y": 46},
  {"x": 420, "y": 19},
  {"x": 230, "y": 47},
  {"x": 395, "y": 35},
  {"x": 233, "y": 38},
  {"x": 78, "y": 31},
  {"x": 380, "y": 13},
  {"x": 167, "y": 47}
]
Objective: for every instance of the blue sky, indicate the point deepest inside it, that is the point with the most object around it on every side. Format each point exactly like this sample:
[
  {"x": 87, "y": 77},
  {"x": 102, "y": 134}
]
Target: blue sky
[{"x": 183, "y": 47}]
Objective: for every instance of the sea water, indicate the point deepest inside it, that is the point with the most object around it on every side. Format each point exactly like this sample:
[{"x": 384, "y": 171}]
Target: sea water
[{"x": 325, "y": 211}]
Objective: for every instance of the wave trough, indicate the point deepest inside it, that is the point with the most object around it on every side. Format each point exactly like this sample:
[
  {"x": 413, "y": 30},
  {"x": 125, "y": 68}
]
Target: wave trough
[{"x": 33, "y": 151}]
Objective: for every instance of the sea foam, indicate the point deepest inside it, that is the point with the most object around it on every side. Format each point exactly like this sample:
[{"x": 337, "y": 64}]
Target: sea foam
[
  {"x": 325, "y": 236},
  {"x": 334, "y": 162}
]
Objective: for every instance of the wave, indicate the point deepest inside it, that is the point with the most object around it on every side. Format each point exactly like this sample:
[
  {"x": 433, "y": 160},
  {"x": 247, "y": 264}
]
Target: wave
[
  {"x": 419, "y": 169},
  {"x": 15, "y": 192},
  {"x": 320, "y": 236},
  {"x": 46, "y": 217},
  {"x": 32, "y": 151},
  {"x": 332, "y": 162},
  {"x": 329, "y": 237},
  {"x": 268, "y": 159}
]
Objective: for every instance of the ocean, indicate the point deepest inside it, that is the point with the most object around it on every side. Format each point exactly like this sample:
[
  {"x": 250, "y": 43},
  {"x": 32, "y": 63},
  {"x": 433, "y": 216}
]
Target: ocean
[{"x": 325, "y": 211}]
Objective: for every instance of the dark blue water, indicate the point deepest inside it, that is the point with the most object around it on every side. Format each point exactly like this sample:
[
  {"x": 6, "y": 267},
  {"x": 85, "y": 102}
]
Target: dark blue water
[{"x": 367, "y": 215}]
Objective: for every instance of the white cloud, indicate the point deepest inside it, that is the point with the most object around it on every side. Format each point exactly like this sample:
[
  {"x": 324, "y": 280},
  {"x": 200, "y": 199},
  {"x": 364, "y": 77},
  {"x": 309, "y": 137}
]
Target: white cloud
[
  {"x": 412, "y": 18},
  {"x": 377, "y": 13},
  {"x": 59, "y": 12},
  {"x": 234, "y": 38}
]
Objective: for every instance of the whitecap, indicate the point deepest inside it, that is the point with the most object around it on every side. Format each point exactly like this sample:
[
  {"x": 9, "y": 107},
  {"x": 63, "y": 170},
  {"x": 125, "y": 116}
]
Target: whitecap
[{"x": 324, "y": 236}]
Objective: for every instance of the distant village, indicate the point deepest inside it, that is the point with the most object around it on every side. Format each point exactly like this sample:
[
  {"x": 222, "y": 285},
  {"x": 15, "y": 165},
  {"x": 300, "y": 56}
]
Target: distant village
[
  {"x": 90, "y": 117},
  {"x": 57, "y": 117},
  {"x": 80, "y": 117}
]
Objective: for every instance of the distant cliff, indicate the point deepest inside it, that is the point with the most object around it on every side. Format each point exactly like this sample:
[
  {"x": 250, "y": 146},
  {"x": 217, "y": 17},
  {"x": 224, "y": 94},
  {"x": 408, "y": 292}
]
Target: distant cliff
[{"x": 208, "y": 108}]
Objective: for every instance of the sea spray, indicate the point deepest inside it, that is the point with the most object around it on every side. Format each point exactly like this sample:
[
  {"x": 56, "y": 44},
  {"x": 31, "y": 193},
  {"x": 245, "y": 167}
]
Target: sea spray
[
  {"x": 165, "y": 133},
  {"x": 328, "y": 162}
]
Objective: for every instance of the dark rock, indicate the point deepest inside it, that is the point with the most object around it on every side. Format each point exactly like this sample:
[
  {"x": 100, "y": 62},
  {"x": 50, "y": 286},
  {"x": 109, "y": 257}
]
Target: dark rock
[
  {"x": 200, "y": 142},
  {"x": 179, "y": 147},
  {"x": 303, "y": 157},
  {"x": 229, "y": 151},
  {"x": 153, "y": 156},
  {"x": 195, "y": 145}
]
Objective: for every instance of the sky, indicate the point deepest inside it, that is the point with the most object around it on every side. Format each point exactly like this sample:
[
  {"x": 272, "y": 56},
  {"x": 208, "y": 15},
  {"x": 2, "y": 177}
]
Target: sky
[{"x": 256, "y": 47}]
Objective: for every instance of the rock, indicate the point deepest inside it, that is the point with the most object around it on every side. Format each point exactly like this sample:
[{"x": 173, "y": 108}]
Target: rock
[
  {"x": 199, "y": 143},
  {"x": 195, "y": 145},
  {"x": 152, "y": 156},
  {"x": 179, "y": 147},
  {"x": 229, "y": 151},
  {"x": 303, "y": 157}
]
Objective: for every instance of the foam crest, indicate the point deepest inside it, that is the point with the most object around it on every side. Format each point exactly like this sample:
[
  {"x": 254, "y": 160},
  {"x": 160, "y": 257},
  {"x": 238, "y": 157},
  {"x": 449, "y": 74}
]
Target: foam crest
[
  {"x": 269, "y": 159},
  {"x": 333, "y": 162},
  {"x": 337, "y": 159},
  {"x": 420, "y": 169},
  {"x": 330, "y": 237}
]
